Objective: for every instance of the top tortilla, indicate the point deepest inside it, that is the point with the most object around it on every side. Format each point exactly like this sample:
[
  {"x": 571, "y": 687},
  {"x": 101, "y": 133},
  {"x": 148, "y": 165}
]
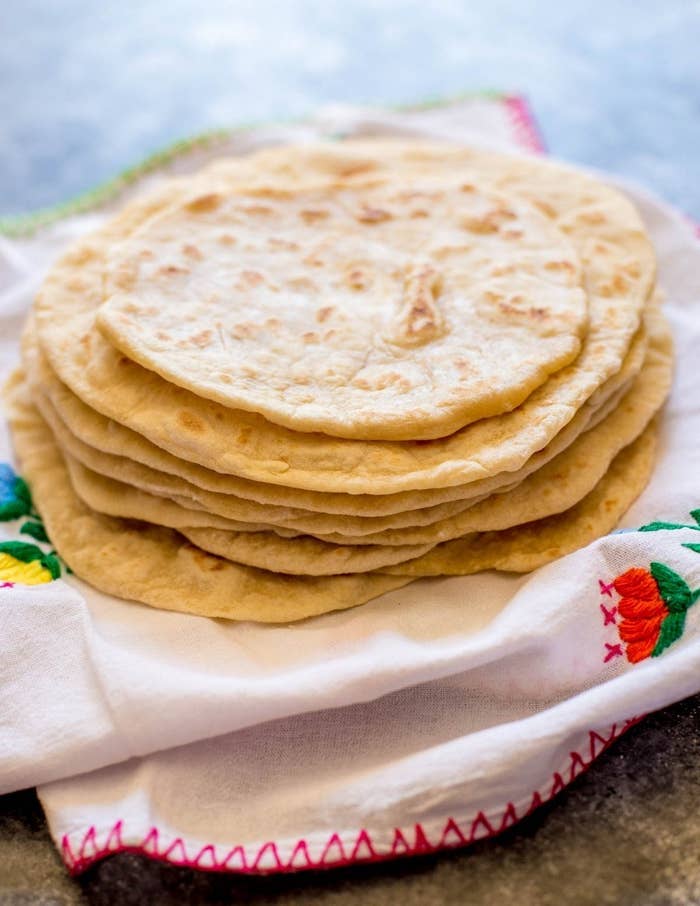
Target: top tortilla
[{"x": 397, "y": 311}]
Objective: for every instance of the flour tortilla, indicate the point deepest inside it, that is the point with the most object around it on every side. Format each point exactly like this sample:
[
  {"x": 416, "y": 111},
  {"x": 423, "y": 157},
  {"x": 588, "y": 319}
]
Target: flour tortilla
[
  {"x": 619, "y": 270},
  {"x": 117, "y": 452},
  {"x": 527, "y": 547},
  {"x": 556, "y": 487},
  {"x": 159, "y": 567},
  {"x": 398, "y": 311}
]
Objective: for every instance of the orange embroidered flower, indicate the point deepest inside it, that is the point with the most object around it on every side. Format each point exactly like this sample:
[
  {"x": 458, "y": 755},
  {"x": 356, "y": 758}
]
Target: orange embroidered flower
[
  {"x": 652, "y": 607},
  {"x": 642, "y": 610}
]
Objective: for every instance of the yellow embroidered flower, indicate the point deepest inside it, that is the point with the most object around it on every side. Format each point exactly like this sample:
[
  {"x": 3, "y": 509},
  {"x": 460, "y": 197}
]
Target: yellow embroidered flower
[
  {"x": 13, "y": 570},
  {"x": 27, "y": 564}
]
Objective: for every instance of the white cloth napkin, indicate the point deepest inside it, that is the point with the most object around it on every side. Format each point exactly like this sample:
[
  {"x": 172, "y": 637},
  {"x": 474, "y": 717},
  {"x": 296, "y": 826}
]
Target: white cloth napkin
[{"x": 437, "y": 714}]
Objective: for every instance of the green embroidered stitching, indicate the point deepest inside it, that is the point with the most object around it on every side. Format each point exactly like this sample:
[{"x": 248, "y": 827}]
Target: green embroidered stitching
[
  {"x": 674, "y": 526},
  {"x": 35, "y": 530},
  {"x": 673, "y": 588}
]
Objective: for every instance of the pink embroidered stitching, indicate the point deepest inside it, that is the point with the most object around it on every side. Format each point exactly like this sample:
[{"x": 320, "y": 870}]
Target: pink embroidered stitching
[
  {"x": 612, "y": 651},
  {"x": 357, "y": 848},
  {"x": 609, "y": 618},
  {"x": 609, "y": 614},
  {"x": 527, "y": 132}
]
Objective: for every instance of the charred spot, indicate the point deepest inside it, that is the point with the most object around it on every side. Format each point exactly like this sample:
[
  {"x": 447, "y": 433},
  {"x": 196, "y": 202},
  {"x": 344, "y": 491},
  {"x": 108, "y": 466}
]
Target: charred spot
[
  {"x": 301, "y": 283},
  {"x": 324, "y": 313},
  {"x": 258, "y": 210},
  {"x": 283, "y": 245},
  {"x": 595, "y": 218},
  {"x": 191, "y": 251},
  {"x": 614, "y": 287},
  {"x": 201, "y": 339},
  {"x": 203, "y": 203},
  {"x": 559, "y": 266},
  {"x": 545, "y": 207},
  {"x": 208, "y": 563},
  {"x": 190, "y": 421},
  {"x": 313, "y": 215},
  {"x": 357, "y": 278},
  {"x": 355, "y": 169},
  {"x": 242, "y": 331},
  {"x": 82, "y": 256},
  {"x": 369, "y": 214},
  {"x": 252, "y": 278}
]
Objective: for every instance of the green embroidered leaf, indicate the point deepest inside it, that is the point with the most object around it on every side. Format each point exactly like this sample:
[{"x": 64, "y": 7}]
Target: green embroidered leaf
[
  {"x": 674, "y": 590},
  {"x": 671, "y": 526},
  {"x": 52, "y": 564},
  {"x": 671, "y": 630},
  {"x": 36, "y": 530},
  {"x": 22, "y": 492},
  {"x": 11, "y": 509},
  {"x": 692, "y": 547},
  {"x": 20, "y": 550}
]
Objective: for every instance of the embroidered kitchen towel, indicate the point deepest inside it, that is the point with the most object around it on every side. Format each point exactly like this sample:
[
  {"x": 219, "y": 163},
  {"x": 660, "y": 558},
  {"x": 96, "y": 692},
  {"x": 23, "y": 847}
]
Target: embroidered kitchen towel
[{"x": 437, "y": 714}]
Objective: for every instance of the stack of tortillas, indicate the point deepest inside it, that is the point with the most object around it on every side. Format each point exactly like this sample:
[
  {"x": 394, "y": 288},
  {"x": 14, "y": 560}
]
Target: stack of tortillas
[{"x": 303, "y": 378}]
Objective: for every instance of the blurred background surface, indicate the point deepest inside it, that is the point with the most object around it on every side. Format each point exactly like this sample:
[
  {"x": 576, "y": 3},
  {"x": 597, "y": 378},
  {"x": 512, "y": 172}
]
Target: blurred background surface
[{"x": 88, "y": 88}]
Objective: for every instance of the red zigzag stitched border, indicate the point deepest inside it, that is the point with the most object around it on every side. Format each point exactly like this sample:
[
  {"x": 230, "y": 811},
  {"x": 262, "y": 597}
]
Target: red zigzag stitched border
[{"x": 357, "y": 848}]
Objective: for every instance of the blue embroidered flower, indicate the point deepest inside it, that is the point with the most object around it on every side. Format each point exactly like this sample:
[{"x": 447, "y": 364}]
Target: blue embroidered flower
[{"x": 15, "y": 499}]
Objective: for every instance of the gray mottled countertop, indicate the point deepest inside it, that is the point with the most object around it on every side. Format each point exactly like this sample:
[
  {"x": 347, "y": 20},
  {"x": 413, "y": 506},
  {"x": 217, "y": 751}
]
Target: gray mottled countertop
[{"x": 87, "y": 89}]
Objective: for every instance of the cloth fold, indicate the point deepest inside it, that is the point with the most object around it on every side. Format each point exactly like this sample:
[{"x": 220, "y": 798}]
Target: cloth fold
[{"x": 437, "y": 714}]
